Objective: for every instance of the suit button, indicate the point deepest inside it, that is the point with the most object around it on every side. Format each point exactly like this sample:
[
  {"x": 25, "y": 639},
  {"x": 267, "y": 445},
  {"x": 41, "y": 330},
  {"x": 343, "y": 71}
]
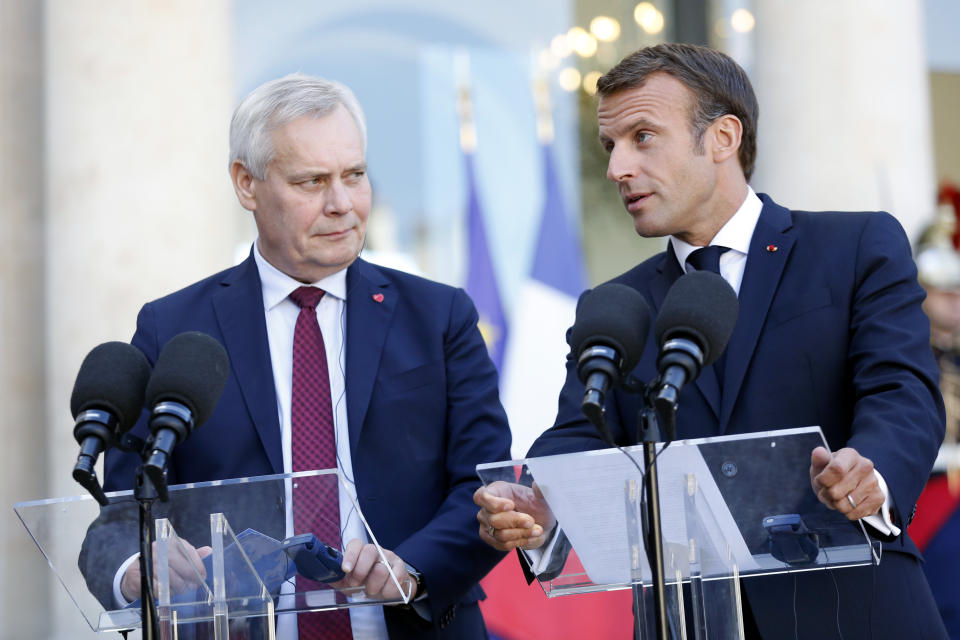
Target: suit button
[{"x": 447, "y": 616}]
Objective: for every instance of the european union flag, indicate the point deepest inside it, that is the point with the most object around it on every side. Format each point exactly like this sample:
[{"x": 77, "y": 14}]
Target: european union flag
[{"x": 481, "y": 278}]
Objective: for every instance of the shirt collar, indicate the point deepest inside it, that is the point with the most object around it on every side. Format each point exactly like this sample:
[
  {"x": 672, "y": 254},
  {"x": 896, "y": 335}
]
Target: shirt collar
[
  {"x": 277, "y": 286},
  {"x": 735, "y": 234}
]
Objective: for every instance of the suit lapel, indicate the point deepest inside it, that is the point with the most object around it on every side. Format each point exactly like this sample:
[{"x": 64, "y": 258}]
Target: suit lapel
[
  {"x": 770, "y": 249},
  {"x": 238, "y": 306},
  {"x": 667, "y": 273},
  {"x": 669, "y": 270},
  {"x": 370, "y": 307}
]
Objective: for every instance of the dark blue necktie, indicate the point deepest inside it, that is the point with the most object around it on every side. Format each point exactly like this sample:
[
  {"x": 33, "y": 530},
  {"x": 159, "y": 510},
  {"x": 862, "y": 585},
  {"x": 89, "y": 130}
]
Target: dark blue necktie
[{"x": 708, "y": 259}]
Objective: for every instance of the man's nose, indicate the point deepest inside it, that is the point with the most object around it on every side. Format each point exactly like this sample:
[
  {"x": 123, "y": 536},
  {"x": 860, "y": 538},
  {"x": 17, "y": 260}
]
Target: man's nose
[
  {"x": 621, "y": 166},
  {"x": 338, "y": 201}
]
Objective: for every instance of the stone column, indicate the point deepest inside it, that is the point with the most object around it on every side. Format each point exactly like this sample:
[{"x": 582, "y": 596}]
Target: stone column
[
  {"x": 138, "y": 198},
  {"x": 24, "y": 577},
  {"x": 845, "y": 107}
]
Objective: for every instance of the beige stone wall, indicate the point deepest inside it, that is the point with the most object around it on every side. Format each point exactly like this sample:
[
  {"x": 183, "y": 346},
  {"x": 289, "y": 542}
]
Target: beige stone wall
[{"x": 24, "y": 580}]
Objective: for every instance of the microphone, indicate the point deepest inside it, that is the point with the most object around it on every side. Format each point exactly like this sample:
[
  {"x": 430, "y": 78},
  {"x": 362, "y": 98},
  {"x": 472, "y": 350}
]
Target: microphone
[
  {"x": 106, "y": 401},
  {"x": 186, "y": 384},
  {"x": 608, "y": 337},
  {"x": 693, "y": 328}
]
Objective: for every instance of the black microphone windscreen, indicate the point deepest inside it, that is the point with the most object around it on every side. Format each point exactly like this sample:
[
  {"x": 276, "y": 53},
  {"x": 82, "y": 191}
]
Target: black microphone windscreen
[
  {"x": 614, "y": 315},
  {"x": 701, "y": 306},
  {"x": 112, "y": 378},
  {"x": 192, "y": 369}
]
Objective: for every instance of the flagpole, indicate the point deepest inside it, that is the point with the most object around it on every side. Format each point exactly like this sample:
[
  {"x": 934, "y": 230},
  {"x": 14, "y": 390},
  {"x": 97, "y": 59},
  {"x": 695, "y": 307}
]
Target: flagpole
[{"x": 468, "y": 127}]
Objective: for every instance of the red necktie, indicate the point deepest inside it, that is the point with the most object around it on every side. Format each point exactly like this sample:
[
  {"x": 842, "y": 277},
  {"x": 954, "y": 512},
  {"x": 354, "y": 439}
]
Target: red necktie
[{"x": 314, "y": 446}]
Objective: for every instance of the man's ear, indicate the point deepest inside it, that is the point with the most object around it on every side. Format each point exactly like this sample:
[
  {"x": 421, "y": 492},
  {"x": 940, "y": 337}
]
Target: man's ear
[
  {"x": 726, "y": 132},
  {"x": 244, "y": 185}
]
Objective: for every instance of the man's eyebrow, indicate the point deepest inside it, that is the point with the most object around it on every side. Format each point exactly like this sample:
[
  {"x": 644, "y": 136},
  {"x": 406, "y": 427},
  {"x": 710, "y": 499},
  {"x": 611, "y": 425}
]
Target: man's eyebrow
[
  {"x": 641, "y": 122},
  {"x": 309, "y": 174}
]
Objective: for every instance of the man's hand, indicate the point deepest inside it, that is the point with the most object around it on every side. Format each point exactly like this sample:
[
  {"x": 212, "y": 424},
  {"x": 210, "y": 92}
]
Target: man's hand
[
  {"x": 364, "y": 568},
  {"x": 513, "y": 515},
  {"x": 186, "y": 570},
  {"x": 845, "y": 481}
]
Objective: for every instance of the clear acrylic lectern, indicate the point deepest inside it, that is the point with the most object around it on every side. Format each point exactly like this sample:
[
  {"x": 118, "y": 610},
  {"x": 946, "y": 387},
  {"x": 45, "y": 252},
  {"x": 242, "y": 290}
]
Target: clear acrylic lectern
[
  {"x": 247, "y": 580},
  {"x": 731, "y": 507}
]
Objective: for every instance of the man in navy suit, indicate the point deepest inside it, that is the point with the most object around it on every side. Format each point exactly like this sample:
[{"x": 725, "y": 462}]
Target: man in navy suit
[
  {"x": 830, "y": 332},
  {"x": 413, "y": 392}
]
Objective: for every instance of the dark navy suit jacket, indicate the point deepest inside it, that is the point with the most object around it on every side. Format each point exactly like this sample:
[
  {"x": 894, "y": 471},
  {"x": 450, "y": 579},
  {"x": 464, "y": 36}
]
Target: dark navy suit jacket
[
  {"x": 422, "y": 405},
  {"x": 831, "y": 333}
]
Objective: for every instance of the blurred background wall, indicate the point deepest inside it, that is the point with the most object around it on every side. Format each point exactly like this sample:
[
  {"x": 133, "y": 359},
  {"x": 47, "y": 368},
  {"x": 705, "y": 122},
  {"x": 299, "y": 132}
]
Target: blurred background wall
[{"x": 114, "y": 187}]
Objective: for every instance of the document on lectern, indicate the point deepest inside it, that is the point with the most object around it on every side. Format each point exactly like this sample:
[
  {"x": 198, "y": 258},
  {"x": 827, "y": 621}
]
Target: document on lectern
[{"x": 586, "y": 492}]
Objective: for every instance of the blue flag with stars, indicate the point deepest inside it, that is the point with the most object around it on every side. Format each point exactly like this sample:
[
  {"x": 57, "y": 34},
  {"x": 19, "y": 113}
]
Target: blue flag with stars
[{"x": 481, "y": 278}]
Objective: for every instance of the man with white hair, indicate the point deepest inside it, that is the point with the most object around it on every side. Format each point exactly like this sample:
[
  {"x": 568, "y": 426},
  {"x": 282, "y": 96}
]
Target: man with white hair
[{"x": 337, "y": 362}]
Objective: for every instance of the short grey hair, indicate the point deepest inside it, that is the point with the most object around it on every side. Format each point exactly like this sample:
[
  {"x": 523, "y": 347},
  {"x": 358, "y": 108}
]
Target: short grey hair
[{"x": 277, "y": 103}]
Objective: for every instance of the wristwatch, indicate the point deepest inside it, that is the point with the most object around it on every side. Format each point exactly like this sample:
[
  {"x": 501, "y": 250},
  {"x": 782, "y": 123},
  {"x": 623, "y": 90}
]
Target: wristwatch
[{"x": 416, "y": 575}]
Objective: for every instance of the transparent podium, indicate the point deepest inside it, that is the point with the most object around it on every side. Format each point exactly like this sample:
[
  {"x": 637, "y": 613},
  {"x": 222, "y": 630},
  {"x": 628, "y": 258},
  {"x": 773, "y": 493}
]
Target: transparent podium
[
  {"x": 252, "y": 569},
  {"x": 732, "y": 507}
]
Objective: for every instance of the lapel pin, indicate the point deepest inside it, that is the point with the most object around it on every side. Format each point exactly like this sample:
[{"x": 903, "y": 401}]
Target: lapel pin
[
  {"x": 772, "y": 248},
  {"x": 377, "y": 297}
]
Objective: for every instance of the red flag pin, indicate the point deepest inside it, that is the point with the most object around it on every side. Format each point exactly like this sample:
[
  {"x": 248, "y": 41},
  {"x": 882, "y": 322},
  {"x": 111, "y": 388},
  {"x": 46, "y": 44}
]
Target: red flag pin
[
  {"x": 772, "y": 248},
  {"x": 377, "y": 297}
]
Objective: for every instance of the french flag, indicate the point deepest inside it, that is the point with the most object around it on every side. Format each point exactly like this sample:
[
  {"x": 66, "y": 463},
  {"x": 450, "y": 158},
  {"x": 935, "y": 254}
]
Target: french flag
[{"x": 533, "y": 368}]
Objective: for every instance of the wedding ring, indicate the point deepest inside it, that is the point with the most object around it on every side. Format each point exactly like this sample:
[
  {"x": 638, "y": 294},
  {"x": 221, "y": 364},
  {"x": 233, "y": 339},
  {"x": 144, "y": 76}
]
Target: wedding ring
[
  {"x": 492, "y": 530},
  {"x": 850, "y": 500}
]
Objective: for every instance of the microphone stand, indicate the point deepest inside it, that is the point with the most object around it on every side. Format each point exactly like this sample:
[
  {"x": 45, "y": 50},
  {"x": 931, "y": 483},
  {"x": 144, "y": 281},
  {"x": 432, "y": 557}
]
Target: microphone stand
[
  {"x": 655, "y": 412},
  {"x": 146, "y": 494},
  {"x": 653, "y": 538}
]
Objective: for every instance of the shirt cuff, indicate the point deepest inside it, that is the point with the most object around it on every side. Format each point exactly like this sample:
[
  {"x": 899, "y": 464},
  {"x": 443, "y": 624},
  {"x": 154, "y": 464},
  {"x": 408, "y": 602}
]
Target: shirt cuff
[
  {"x": 881, "y": 521},
  {"x": 118, "y": 578},
  {"x": 539, "y": 559}
]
